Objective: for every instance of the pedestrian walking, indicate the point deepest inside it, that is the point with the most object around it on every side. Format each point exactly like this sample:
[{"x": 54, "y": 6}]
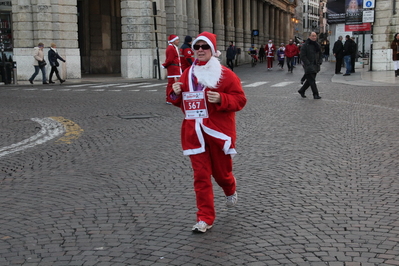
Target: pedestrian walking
[
  {"x": 281, "y": 56},
  {"x": 395, "y": 53},
  {"x": 261, "y": 54},
  {"x": 209, "y": 94},
  {"x": 348, "y": 46},
  {"x": 231, "y": 55},
  {"x": 53, "y": 57},
  {"x": 326, "y": 53},
  {"x": 39, "y": 63},
  {"x": 338, "y": 51},
  {"x": 186, "y": 53},
  {"x": 312, "y": 58},
  {"x": 291, "y": 50},
  {"x": 172, "y": 63},
  {"x": 353, "y": 55},
  {"x": 270, "y": 48}
]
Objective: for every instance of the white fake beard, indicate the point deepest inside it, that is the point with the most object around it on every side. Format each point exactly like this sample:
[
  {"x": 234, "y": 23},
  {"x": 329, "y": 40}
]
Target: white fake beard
[{"x": 209, "y": 74}]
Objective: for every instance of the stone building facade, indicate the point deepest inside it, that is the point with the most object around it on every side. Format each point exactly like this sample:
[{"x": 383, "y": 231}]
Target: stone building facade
[
  {"x": 386, "y": 24},
  {"x": 118, "y": 36}
]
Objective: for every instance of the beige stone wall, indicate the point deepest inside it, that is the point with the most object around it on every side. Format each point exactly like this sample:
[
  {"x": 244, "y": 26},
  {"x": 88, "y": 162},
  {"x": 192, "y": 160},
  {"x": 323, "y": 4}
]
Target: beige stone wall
[
  {"x": 45, "y": 21},
  {"x": 385, "y": 26}
]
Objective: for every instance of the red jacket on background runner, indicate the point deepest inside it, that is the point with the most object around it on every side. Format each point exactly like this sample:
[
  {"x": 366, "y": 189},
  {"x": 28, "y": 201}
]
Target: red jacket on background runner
[
  {"x": 172, "y": 62},
  {"x": 291, "y": 50},
  {"x": 186, "y": 54}
]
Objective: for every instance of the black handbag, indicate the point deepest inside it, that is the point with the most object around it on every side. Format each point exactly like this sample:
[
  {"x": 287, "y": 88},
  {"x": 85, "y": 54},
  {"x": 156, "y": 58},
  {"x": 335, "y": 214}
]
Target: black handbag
[
  {"x": 42, "y": 63},
  {"x": 57, "y": 64}
]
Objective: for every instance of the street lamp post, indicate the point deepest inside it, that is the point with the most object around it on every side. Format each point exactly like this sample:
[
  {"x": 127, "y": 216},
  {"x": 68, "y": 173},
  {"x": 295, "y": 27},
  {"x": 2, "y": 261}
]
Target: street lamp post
[{"x": 295, "y": 22}]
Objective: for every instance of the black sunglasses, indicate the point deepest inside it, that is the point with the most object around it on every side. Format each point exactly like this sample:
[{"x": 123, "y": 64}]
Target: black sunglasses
[{"x": 203, "y": 46}]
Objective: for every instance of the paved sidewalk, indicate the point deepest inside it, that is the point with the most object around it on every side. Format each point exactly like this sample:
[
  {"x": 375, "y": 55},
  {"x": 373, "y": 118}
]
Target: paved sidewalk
[{"x": 362, "y": 77}]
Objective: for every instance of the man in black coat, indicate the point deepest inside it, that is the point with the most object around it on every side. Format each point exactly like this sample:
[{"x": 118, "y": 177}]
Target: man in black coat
[
  {"x": 338, "y": 51},
  {"x": 312, "y": 58},
  {"x": 231, "y": 55},
  {"x": 348, "y": 50}
]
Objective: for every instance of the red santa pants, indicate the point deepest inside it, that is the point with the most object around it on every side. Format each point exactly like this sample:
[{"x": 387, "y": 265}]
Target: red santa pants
[
  {"x": 169, "y": 88},
  {"x": 213, "y": 162},
  {"x": 270, "y": 62}
]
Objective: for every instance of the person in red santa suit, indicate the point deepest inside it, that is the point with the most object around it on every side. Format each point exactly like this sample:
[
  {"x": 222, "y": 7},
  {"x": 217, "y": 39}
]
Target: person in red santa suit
[
  {"x": 269, "y": 50},
  {"x": 172, "y": 63},
  {"x": 186, "y": 53},
  {"x": 209, "y": 94}
]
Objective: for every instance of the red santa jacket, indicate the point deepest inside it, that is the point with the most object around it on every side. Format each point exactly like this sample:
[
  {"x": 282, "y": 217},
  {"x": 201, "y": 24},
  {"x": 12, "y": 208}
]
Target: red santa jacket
[
  {"x": 172, "y": 62},
  {"x": 270, "y": 50},
  {"x": 220, "y": 123},
  {"x": 291, "y": 50}
]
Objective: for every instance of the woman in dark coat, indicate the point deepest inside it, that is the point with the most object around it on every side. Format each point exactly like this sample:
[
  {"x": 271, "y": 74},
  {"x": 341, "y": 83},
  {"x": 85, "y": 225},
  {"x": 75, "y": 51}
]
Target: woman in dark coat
[
  {"x": 395, "y": 53},
  {"x": 53, "y": 57}
]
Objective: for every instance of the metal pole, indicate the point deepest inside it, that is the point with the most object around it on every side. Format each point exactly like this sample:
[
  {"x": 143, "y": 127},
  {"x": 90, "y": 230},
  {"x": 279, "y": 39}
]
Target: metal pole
[
  {"x": 371, "y": 49},
  {"x": 154, "y": 10}
]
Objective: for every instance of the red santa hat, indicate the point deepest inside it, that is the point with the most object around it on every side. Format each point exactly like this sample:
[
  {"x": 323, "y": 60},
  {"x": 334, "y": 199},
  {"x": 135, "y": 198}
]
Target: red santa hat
[
  {"x": 209, "y": 38},
  {"x": 172, "y": 38}
]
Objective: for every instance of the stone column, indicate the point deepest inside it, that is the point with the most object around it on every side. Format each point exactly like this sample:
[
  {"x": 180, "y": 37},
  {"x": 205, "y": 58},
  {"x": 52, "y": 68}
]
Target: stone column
[
  {"x": 206, "y": 16},
  {"x": 138, "y": 49},
  {"x": 261, "y": 38},
  {"x": 266, "y": 16},
  {"x": 384, "y": 28},
  {"x": 192, "y": 18},
  {"x": 229, "y": 21},
  {"x": 254, "y": 17},
  {"x": 172, "y": 22},
  {"x": 181, "y": 19},
  {"x": 218, "y": 24},
  {"x": 46, "y": 21},
  {"x": 247, "y": 26},
  {"x": 239, "y": 29},
  {"x": 277, "y": 26},
  {"x": 239, "y": 23},
  {"x": 271, "y": 22}
]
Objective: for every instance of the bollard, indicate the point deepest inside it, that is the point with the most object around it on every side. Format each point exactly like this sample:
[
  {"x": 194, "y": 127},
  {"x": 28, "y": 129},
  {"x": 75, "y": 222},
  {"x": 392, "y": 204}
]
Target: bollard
[{"x": 14, "y": 71}]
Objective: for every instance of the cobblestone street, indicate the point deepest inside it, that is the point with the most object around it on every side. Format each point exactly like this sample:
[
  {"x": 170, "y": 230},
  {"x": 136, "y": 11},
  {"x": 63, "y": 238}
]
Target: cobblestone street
[{"x": 317, "y": 179}]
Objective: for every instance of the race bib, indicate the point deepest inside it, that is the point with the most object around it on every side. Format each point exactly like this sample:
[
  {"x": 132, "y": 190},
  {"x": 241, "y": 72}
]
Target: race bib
[{"x": 195, "y": 105}]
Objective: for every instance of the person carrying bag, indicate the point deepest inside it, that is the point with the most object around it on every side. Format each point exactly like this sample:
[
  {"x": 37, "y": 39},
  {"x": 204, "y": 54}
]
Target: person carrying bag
[{"x": 53, "y": 57}]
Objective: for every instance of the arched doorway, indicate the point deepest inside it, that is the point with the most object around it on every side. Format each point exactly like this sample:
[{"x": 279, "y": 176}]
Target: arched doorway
[{"x": 99, "y": 36}]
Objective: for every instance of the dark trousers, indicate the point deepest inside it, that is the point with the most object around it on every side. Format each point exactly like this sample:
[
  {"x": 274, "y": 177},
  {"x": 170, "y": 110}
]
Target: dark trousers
[
  {"x": 52, "y": 71},
  {"x": 290, "y": 63},
  {"x": 338, "y": 65},
  {"x": 353, "y": 59},
  {"x": 230, "y": 63},
  {"x": 310, "y": 81}
]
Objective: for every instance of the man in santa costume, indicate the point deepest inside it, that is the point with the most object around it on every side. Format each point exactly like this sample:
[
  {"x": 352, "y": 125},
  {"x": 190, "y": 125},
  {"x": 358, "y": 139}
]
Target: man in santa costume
[
  {"x": 269, "y": 50},
  {"x": 172, "y": 63},
  {"x": 209, "y": 94}
]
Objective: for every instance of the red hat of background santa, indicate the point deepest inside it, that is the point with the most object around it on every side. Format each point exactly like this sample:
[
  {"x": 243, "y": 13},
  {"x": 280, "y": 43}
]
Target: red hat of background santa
[
  {"x": 172, "y": 38},
  {"x": 209, "y": 38}
]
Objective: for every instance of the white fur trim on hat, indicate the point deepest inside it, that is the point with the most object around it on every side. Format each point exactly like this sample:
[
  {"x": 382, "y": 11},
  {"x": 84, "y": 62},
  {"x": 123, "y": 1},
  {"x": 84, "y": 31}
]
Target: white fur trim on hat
[
  {"x": 206, "y": 39},
  {"x": 174, "y": 39}
]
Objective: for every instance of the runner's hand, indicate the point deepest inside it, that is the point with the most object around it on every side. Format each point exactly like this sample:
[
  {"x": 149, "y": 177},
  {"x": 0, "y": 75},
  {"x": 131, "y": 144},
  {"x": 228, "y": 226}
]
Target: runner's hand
[
  {"x": 213, "y": 96},
  {"x": 177, "y": 87}
]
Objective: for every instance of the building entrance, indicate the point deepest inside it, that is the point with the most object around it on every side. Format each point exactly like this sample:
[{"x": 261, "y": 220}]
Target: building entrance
[{"x": 99, "y": 36}]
